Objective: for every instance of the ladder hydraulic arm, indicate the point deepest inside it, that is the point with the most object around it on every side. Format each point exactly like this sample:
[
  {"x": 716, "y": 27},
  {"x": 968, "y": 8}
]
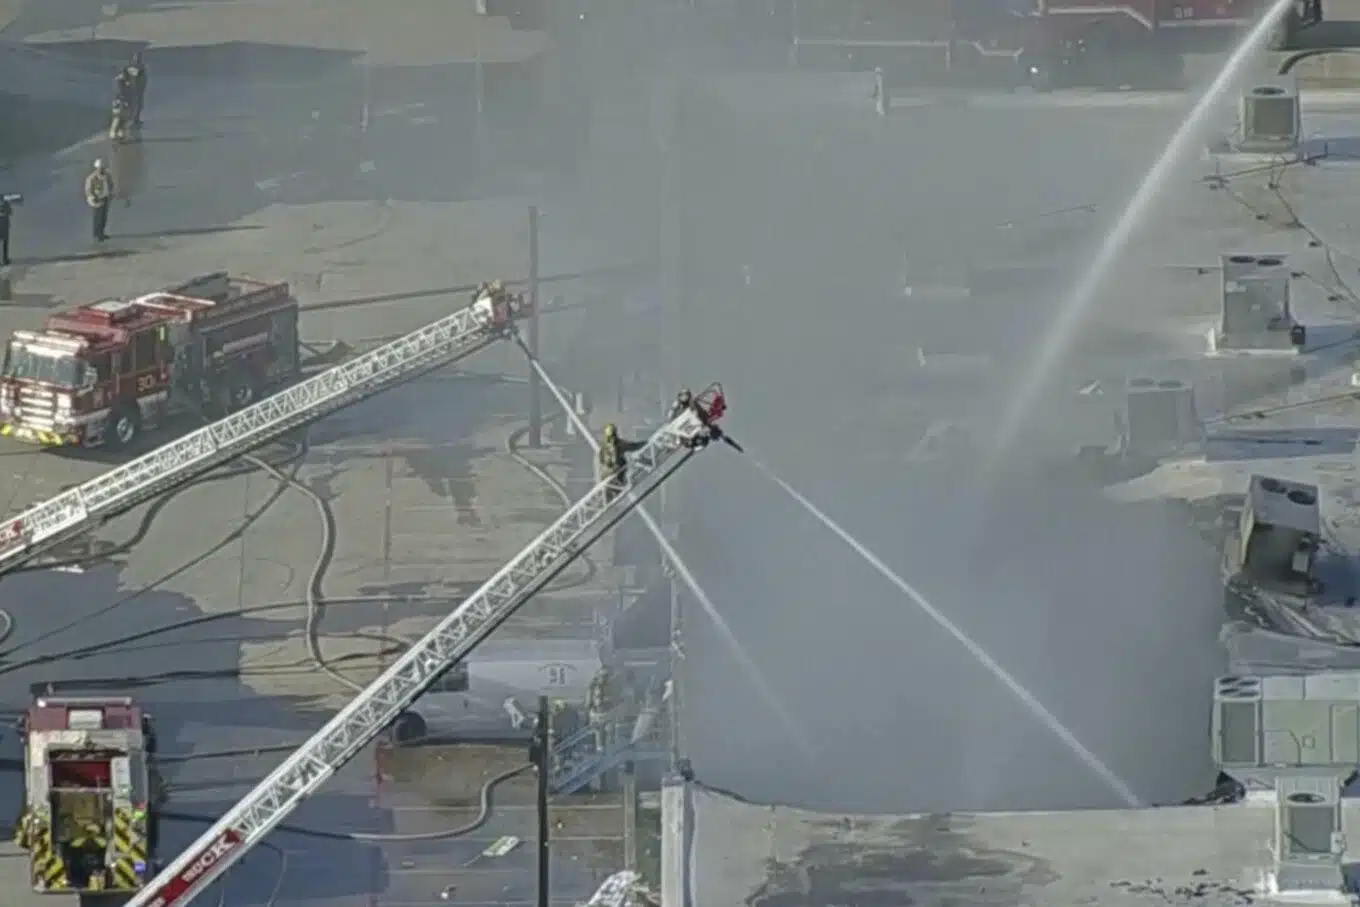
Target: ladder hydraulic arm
[
  {"x": 85, "y": 507},
  {"x": 353, "y": 727}
]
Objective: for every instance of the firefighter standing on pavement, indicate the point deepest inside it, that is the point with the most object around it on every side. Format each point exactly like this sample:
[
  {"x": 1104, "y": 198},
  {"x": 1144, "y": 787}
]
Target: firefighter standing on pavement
[
  {"x": 135, "y": 73},
  {"x": 123, "y": 89},
  {"x": 98, "y": 195},
  {"x": 120, "y": 116},
  {"x": 614, "y": 453}
]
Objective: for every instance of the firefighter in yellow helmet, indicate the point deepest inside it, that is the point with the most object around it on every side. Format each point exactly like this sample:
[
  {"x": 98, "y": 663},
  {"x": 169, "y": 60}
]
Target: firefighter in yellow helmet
[
  {"x": 98, "y": 195},
  {"x": 614, "y": 453}
]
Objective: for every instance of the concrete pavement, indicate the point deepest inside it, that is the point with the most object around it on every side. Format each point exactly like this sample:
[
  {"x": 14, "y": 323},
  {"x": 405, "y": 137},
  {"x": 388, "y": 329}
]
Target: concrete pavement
[{"x": 283, "y": 181}]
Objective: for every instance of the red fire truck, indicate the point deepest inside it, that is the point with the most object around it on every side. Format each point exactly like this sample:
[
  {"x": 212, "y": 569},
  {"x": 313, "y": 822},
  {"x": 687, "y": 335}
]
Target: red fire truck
[
  {"x": 1043, "y": 43},
  {"x": 100, "y": 374},
  {"x": 1085, "y": 42},
  {"x": 88, "y": 819}
]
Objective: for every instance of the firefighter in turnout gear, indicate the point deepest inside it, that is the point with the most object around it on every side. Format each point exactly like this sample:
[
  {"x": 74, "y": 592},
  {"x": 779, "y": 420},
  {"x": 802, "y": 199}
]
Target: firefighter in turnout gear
[
  {"x": 614, "y": 453},
  {"x": 135, "y": 76},
  {"x": 600, "y": 705},
  {"x": 492, "y": 302},
  {"x": 707, "y": 408},
  {"x": 82, "y": 842},
  {"x": 98, "y": 195},
  {"x": 683, "y": 401},
  {"x": 122, "y": 118},
  {"x": 119, "y": 122},
  {"x": 123, "y": 89}
]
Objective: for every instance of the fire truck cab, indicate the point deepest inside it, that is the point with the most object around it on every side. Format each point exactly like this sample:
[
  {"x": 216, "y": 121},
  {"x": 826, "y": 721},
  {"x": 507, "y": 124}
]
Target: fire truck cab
[
  {"x": 88, "y": 817},
  {"x": 100, "y": 374},
  {"x": 1091, "y": 42},
  {"x": 1041, "y": 44}
]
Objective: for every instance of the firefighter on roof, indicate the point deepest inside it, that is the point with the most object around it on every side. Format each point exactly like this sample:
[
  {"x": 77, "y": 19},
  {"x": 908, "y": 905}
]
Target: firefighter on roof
[{"x": 614, "y": 453}]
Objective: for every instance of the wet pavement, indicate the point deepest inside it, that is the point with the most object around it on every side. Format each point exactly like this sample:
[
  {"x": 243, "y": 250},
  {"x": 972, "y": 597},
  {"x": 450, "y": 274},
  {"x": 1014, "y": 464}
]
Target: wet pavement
[
  {"x": 426, "y": 499},
  {"x": 436, "y": 789}
]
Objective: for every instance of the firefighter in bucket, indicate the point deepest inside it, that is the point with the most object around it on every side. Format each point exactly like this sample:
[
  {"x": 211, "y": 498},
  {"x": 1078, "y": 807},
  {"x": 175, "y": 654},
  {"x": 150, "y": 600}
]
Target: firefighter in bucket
[
  {"x": 495, "y": 305},
  {"x": 708, "y": 407}
]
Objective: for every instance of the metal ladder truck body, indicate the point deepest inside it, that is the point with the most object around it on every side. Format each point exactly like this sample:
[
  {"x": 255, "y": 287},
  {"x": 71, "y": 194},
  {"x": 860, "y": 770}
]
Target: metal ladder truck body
[
  {"x": 85, "y": 507},
  {"x": 368, "y": 714}
]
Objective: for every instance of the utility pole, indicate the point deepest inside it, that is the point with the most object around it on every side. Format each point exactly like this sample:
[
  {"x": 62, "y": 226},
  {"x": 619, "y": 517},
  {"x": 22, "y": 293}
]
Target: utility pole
[
  {"x": 535, "y": 391},
  {"x": 541, "y": 753}
]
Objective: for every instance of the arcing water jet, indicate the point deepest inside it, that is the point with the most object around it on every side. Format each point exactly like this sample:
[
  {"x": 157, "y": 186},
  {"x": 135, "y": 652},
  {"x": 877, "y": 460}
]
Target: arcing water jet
[
  {"x": 1082, "y": 296},
  {"x": 1031, "y": 703}
]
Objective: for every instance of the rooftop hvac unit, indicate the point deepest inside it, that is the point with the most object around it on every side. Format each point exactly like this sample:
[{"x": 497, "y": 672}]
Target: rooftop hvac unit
[
  {"x": 1258, "y": 303},
  {"x": 1159, "y": 416},
  {"x": 1266, "y": 729},
  {"x": 1280, "y": 528},
  {"x": 1237, "y": 723},
  {"x": 1309, "y": 845},
  {"x": 1256, "y": 310},
  {"x": 1270, "y": 118}
]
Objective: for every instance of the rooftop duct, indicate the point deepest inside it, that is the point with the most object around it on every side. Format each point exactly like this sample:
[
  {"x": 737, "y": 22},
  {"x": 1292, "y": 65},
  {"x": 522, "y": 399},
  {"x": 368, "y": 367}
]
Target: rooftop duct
[{"x": 1270, "y": 118}]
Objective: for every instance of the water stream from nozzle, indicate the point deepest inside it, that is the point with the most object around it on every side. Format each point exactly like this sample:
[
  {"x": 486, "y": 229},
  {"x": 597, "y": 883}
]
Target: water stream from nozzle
[
  {"x": 769, "y": 698},
  {"x": 1082, "y": 296},
  {"x": 1031, "y": 702}
]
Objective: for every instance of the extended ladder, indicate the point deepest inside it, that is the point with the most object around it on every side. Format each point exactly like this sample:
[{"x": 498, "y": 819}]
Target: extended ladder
[
  {"x": 84, "y": 507},
  {"x": 354, "y": 726}
]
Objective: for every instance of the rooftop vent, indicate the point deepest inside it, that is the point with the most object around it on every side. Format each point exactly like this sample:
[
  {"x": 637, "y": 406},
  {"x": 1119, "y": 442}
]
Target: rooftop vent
[
  {"x": 1159, "y": 416},
  {"x": 1255, "y": 310},
  {"x": 1279, "y": 532},
  {"x": 1270, "y": 118},
  {"x": 1309, "y": 844},
  {"x": 1235, "y": 267}
]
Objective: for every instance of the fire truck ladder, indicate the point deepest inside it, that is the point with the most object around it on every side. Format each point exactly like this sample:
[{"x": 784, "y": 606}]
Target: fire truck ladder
[
  {"x": 86, "y": 506},
  {"x": 353, "y": 727}
]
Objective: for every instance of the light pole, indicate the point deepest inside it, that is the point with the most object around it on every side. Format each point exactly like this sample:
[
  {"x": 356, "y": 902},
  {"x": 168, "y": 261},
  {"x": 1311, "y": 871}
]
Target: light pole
[
  {"x": 540, "y": 753},
  {"x": 535, "y": 388}
]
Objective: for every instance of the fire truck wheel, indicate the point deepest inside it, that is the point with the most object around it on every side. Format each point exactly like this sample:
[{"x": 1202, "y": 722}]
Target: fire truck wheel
[
  {"x": 124, "y": 426},
  {"x": 409, "y": 729}
]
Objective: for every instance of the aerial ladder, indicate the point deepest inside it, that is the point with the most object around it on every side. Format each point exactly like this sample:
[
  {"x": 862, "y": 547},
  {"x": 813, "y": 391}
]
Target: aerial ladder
[
  {"x": 313, "y": 763},
  {"x": 85, "y": 507}
]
